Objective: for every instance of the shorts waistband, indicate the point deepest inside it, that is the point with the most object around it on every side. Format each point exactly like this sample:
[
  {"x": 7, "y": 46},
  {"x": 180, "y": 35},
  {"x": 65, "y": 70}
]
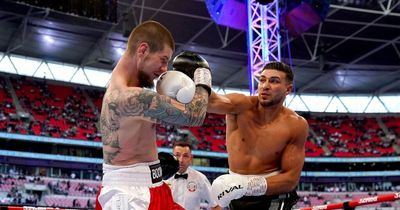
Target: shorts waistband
[
  {"x": 273, "y": 173},
  {"x": 288, "y": 195},
  {"x": 140, "y": 174}
]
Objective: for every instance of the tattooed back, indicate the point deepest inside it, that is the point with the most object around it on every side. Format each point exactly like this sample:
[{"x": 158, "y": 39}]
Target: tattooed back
[{"x": 128, "y": 137}]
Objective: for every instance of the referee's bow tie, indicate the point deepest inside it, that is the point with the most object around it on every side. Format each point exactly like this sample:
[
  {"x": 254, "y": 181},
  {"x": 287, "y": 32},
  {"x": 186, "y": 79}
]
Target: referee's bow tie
[{"x": 183, "y": 176}]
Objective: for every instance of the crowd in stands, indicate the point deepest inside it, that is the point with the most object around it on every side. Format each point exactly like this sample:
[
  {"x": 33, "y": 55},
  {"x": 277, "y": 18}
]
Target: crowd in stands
[
  {"x": 71, "y": 187},
  {"x": 313, "y": 194},
  {"x": 349, "y": 186},
  {"x": 47, "y": 191},
  {"x": 12, "y": 185},
  {"x": 55, "y": 110},
  {"x": 8, "y": 118},
  {"x": 80, "y": 193},
  {"x": 211, "y": 134},
  {"x": 58, "y": 110},
  {"x": 346, "y": 136},
  {"x": 63, "y": 111}
]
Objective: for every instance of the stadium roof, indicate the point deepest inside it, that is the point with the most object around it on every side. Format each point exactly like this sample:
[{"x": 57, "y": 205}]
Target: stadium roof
[{"x": 355, "y": 50}]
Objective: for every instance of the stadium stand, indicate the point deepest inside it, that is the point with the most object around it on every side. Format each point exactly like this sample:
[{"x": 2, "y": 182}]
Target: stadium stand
[
  {"x": 59, "y": 110},
  {"x": 62, "y": 111}
]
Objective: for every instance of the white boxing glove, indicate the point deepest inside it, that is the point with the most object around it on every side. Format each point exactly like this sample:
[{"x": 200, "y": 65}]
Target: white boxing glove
[
  {"x": 229, "y": 187},
  {"x": 176, "y": 85}
]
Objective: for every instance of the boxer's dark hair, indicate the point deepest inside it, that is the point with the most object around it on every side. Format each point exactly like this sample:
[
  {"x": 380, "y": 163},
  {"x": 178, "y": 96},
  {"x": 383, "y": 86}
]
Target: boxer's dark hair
[
  {"x": 279, "y": 66},
  {"x": 152, "y": 33},
  {"x": 182, "y": 144}
]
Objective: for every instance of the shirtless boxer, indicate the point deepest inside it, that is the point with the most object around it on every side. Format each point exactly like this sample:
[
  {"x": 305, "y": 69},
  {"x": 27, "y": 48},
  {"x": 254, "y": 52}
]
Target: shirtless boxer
[
  {"x": 265, "y": 144},
  {"x": 132, "y": 175}
]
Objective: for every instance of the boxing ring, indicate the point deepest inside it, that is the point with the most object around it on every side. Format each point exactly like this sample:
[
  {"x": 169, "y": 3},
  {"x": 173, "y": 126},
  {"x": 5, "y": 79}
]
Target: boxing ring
[
  {"x": 349, "y": 205},
  {"x": 34, "y": 208}
]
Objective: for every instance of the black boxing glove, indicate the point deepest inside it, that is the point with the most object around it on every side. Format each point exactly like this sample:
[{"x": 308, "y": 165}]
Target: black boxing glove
[
  {"x": 196, "y": 67},
  {"x": 169, "y": 165}
]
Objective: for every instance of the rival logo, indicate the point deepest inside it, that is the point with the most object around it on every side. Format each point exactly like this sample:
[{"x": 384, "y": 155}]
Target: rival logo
[{"x": 222, "y": 194}]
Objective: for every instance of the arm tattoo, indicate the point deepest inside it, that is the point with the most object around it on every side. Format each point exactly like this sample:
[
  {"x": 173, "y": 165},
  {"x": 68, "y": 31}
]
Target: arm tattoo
[
  {"x": 109, "y": 125},
  {"x": 109, "y": 156},
  {"x": 162, "y": 110},
  {"x": 145, "y": 103}
]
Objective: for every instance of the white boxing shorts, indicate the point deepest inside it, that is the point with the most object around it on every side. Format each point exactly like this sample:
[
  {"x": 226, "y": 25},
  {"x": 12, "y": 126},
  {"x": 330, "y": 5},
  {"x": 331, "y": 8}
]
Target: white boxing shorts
[{"x": 139, "y": 186}]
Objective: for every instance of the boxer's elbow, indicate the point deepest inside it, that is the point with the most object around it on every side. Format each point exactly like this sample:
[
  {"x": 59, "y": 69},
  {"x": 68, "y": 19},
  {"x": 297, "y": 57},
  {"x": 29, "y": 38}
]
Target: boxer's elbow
[
  {"x": 281, "y": 183},
  {"x": 188, "y": 119},
  {"x": 197, "y": 120},
  {"x": 281, "y": 188},
  {"x": 285, "y": 184},
  {"x": 292, "y": 178},
  {"x": 291, "y": 184},
  {"x": 196, "y": 111}
]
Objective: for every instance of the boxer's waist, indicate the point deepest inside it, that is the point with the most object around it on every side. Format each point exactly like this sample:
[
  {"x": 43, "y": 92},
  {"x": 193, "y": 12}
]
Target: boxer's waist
[
  {"x": 140, "y": 174},
  {"x": 289, "y": 195},
  {"x": 272, "y": 173},
  {"x": 284, "y": 201}
]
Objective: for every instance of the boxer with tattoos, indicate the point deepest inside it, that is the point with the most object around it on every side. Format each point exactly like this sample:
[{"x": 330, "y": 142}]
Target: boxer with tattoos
[{"x": 132, "y": 175}]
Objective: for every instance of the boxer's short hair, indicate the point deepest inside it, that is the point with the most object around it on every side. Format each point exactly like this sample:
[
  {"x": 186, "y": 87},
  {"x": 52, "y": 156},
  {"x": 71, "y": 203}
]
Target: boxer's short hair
[
  {"x": 280, "y": 66},
  {"x": 152, "y": 33}
]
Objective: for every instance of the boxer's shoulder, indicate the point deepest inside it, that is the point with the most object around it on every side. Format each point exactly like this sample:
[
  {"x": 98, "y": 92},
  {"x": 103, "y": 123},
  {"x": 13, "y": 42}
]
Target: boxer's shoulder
[{"x": 294, "y": 118}]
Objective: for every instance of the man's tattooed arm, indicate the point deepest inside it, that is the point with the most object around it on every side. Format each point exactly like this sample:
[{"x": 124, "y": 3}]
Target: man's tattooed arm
[
  {"x": 163, "y": 109},
  {"x": 138, "y": 102}
]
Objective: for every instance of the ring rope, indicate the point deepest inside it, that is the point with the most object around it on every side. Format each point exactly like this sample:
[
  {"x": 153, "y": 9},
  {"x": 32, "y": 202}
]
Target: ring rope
[{"x": 358, "y": 202}]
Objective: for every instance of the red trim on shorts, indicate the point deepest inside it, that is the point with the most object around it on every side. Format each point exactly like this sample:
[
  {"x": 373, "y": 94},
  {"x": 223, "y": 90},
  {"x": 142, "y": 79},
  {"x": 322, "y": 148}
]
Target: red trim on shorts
[
  {"x": 161, "y": 199},
  {"x": 97, "y": 206}
]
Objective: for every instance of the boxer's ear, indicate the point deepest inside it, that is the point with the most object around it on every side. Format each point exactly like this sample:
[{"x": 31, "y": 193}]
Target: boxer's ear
[
  {"x": 289, "y": 88},
  {"x": 143, "y": 48}
]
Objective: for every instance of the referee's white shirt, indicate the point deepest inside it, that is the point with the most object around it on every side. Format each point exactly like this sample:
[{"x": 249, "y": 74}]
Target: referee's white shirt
[{"x": 190, "y": 192}]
